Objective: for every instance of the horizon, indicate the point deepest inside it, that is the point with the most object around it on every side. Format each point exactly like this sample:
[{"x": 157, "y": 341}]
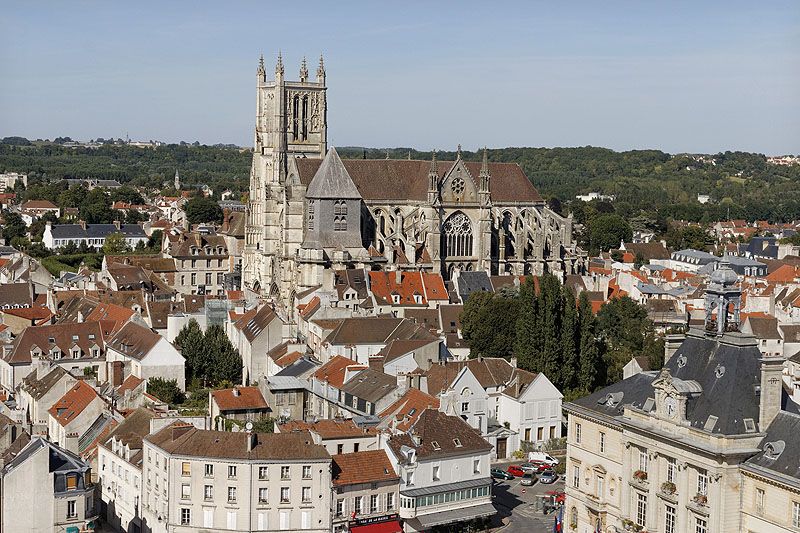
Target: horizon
[{"x": 704, "y": 79}]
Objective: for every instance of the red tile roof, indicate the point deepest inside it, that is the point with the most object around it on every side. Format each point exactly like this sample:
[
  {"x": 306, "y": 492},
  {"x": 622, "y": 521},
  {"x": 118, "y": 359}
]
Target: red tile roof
[
  {"x": 434, "y": 286},
  {"x": 130, "y": 383},
  {"x": 248, "y": 398},
  {"x": 371, "y": 466},
  {"x": 385, "y": 286},
  {"x": 73, "y": 403},
  {"x": 330, "y": 428},
  {"x": 333, "y": 371},
  {"x": 409, "y": 407},
  {"x": 30, "y": 313},
  {"x": 38, "y": 204}
]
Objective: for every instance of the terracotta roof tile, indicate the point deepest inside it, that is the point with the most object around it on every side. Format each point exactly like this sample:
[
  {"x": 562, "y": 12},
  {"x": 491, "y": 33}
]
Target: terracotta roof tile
[
  {"x": 408, "y": 408},
  {"x": 248, "y": 398},
  {"x": 439, "y": 435},
  {"x": 333, "y": 372},
  {"x": 385, "y": 286},
  {"x": 371, "y": 466},
  {"x": 72, "y": 404}
]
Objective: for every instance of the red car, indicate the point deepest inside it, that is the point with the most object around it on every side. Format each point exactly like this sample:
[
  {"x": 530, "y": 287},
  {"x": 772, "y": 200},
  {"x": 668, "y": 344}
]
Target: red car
[{"x": 515, "y": 471}]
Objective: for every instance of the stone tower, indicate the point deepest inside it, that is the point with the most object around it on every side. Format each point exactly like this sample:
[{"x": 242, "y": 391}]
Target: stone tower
[
  {"x": 177, "y": 180},
  {"x": 291, "y": 121}
]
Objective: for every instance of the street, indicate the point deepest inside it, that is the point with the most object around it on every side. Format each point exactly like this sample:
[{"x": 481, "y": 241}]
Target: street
[{"x": 516, "y": 511}]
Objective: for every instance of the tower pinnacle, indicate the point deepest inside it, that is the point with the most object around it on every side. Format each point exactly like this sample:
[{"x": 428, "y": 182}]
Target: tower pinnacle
[
  {"x": 303, "y": 71},
  {"x": 261, "y": 72},
  {"x": 458, "y": 152},
  {"x": 279, "y": 66},
  {"x": 321, "y": 70}
]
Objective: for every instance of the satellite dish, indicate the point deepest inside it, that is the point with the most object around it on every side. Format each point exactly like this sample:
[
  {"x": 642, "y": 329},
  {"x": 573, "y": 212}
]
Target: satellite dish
[{"x": 249, "y": 426}]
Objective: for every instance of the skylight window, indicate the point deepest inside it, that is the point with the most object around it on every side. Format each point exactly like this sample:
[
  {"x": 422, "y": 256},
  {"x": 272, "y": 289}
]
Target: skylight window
[
  {"x": 435, "y": 445},
  {"x": 457, "y": 443}
]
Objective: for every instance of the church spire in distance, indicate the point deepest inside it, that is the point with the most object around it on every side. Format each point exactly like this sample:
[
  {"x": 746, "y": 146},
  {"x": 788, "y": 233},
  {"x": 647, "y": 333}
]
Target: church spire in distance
[
  {"x": 321, "y": 70},
  {"x": 303, "y": 71},
  {"x": 484, "y": 173}
]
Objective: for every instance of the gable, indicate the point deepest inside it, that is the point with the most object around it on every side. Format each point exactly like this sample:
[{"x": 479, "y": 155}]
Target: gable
[
  {"x": 458, "y": 185},
  {"x": 467, "y": 380},
  {"x": 540, "y": 388}
]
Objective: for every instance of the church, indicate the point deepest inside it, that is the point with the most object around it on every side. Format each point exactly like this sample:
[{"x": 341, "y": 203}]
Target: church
[{"x": 310, "y": 210}]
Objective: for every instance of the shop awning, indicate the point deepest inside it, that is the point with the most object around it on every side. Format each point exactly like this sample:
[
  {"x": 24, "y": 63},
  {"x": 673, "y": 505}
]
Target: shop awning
[
  {"x": 456, "y": 515},
  {"x": 392, "y": 526}
]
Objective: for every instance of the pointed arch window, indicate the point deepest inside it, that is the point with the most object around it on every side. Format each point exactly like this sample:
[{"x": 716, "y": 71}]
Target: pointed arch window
[
  {"x": 340, "y": 215},
  {"x": 458, "y": 235},
  {"x": 311, "y": 214}
]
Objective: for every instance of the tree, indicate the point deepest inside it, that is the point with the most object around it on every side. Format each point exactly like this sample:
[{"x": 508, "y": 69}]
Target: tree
[
  {"x": 127, "y": 194},
  {"x": 225, "y": 359},
  {"x": 166, "y": 390},
  {"x": 190, "y": 342},
  {"x": 549, "y": 319},
  {"x": 569, "y": 341},
  {"x": 627, "y": 332},
  {"x": 154, "y": 241},
  {"x": 200, "y": 209},
  {"x": 607, "y": 231},
  {"x": 14, "y": 226},
  {"x": 488, "y": 324},
  {"x": 526, "y": 340},
  {"x": 589, "y": 358},
  {"x": 115, "y": 244}
]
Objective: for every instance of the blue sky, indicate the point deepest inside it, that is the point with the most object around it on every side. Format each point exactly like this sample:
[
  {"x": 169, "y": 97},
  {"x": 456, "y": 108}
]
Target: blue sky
[{"x": 677, "y": 76}]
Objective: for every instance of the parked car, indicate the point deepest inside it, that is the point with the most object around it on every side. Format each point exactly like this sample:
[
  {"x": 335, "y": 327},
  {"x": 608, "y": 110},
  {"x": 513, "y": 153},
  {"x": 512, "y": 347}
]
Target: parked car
[
  {"x": 534, "y": 466},
  {"x": 528, "y": 479},
  {"x": 548, "y": 476},
  {"x": 500, "y": 474},
  {"x": 515, "y": 471},
  {"x": 542, "y": 457}
]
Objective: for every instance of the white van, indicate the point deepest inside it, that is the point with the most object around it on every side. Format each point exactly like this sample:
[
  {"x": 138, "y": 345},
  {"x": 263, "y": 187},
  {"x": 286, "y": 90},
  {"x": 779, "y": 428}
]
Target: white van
[{"x": 542, "y": 457}]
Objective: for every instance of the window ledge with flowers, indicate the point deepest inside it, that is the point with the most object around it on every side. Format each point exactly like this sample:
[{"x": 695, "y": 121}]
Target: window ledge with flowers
[
  {"x": 640, "y": 476},
  {"x": 630, "y": 525},
  {"x": 669, "y": 488}
]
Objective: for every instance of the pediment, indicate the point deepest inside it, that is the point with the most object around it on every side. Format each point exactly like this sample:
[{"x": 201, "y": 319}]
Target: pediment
[{"x": 458, "y": 185}]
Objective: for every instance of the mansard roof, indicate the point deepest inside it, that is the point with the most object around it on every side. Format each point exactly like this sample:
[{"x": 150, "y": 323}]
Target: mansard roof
[
  {"x": 404, "y": 180},
  {"x": 726, "y": 371},
  {"x": 331, "y": 180}
]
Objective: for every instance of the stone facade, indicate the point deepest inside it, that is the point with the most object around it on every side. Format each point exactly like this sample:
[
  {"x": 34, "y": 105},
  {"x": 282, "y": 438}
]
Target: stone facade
[{"x": 305, "y": 214}]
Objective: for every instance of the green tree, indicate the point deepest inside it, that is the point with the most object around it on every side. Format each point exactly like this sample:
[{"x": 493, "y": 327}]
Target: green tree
[
  {"x": 570, "y": 340},
  {"x": 200, "y": 209},
  {"x": 226, "y": 363},
  {"x": 154, "y": 241},
  {"x": 488, "y": 324},
  {"x": 589, "y": 350},
  {"x": 526, "y": 339},
  {"x": 14, "y": 226},
  {"x": 627, "y": 332},
  {"x": 127, "y": 194},
  {"x": 166, "y": 390},
  {"x": 191, "y": 344},
  {"x": 116, "y": 245},
  {"x": 549, "y": 321},
  {"x": 607, "y": 231}
]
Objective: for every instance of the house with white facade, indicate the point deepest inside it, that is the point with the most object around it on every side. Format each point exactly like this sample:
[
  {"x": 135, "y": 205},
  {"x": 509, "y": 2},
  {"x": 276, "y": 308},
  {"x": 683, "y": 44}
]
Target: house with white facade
[
  {"x": 443, "y": 465},
  {"x": 145, "y": 354}
]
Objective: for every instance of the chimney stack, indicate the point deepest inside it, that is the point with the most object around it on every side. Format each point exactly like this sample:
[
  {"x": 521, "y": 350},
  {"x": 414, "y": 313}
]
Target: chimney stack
[
  {"x": 251, "y": 440},
  {"x": 398, "y": 277},
  {"x": 82, "y": 224},
  {"x": 236, "y": 392},
  {"x": 116, "y": 224},
  {"x": 771, "y": 389}
]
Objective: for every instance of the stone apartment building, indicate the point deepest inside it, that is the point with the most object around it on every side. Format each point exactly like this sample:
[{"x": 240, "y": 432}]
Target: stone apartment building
[
  {"x": 666, "y": 451},
  {"x": 201, "y": 262},
  {"x": 235, "y": 481},
  {"x": 46, "y": 488}
]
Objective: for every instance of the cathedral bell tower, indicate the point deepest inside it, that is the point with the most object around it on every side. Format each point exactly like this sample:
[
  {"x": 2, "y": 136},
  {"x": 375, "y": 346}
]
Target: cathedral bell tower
[{"x": 291, "y": 122}]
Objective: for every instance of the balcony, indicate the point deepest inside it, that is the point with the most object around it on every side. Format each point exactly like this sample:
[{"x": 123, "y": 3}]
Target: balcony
[
  {"x": 699, "y": 504},
  {"x": 639, "y": 479}
]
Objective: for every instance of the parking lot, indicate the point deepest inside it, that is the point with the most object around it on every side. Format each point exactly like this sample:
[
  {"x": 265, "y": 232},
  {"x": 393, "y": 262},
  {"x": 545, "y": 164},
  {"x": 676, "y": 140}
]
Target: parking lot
[{"x": 516, "y": 506}]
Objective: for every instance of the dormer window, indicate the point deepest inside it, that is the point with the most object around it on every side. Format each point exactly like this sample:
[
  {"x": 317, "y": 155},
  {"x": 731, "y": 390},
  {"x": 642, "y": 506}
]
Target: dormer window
[
  {"x": 435, "y": 445},
  {"x": 395, "y": 298},
  {"x": 91, "y": 336},
  {"x": 51, "y": 340},
  {"x": 457, "y": 443},
  {"x": 75, "y": 338},
  {"x": 76, "y": 353}
]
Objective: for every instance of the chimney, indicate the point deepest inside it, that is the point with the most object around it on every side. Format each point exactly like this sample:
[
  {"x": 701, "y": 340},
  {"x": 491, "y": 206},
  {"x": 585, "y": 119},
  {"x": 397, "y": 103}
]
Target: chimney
[
  {"x": 771, "y": 389},
  {"x": 236, "y": 392},
  {"x": 398, "y": 277},
  {"x": 672, "y": 342},
  {"x": 513, "y": 362},
  {"x": 252, "y": 440},
  {"x": 116, "y": 224},
  {"x": 82, "y": 224}
]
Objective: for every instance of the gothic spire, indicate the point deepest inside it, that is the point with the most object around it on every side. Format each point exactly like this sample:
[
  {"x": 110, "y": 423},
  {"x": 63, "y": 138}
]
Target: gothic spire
[
  {"x": 279, "y": 66},
  {"x": 433, "y": 170},
  {"x": 261, "y": 72},
  {"x": 303, "y": 71},
  {"x": 433, "y": 181},
  {"x": 485, "y": 163},
  {"x": 321, "y": 70},
  {"x": 458, "y": 153}
]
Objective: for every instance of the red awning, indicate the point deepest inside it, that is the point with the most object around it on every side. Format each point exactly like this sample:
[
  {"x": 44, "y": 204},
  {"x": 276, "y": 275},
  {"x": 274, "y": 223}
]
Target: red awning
[{"x": 383, "y": 527}]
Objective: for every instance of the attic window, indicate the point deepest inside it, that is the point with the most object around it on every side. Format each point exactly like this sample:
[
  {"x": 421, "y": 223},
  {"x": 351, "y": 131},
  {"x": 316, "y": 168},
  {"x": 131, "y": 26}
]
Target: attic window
[
  {"x": 91, "y": 336},
  {"x": 435, "y": 445},
  {"x": 749, "y": 425},
  {"x": 773, "y": 450},
  {"x": 681, "y": 361},
  {"x": 51, "y": 340},
  {"x": 457, "y": 443},
  {"x": 719, "y": 371},
  {"x": 648, "y": 405},
  {"x": 412, "y": 411},
  {"x": 611, "y": 399},
  {"x": 75, "y": 337},
  {"x": 710, "y": 423},
  {"x": 396, "y": 298}
]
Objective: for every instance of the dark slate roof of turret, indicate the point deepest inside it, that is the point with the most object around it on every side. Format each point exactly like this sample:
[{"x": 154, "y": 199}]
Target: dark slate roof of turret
[
  {"x": 730, "y": 395},
  {"x": 331, "y": 180},
  {"x": 779, "y": 453}
]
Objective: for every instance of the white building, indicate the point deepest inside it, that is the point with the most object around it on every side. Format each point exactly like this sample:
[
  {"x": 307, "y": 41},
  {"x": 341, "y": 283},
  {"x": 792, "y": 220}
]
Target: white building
[{"x": 235, "y": 481}]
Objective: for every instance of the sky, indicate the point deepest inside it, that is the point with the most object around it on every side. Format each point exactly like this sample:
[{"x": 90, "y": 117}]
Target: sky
[{"x": 694, "y": 76}]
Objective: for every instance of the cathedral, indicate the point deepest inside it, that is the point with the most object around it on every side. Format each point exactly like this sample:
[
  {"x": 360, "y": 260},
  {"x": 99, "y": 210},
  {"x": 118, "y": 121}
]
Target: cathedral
[{"x": 310, "y": 210}]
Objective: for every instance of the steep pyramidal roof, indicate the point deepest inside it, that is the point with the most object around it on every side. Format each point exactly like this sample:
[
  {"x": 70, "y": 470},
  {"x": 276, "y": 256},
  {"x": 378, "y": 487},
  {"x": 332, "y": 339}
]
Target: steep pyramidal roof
[{"x": 332, "y": 180}]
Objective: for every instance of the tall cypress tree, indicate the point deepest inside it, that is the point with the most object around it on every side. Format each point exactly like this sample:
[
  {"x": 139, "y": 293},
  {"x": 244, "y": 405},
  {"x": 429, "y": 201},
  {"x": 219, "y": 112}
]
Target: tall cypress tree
[
  {"x": 590, "y": 358},
  {"x": 570, "y": 339},
  {"x": 549, "y": 326},
  {"x": 525, "y": 346}
]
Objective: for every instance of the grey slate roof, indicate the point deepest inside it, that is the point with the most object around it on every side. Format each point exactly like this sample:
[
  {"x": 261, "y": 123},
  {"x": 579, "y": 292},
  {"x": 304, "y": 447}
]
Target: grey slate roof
[
  {"x": 779, "y": 451},
  {"x": 371, "y": 385},
  {"x": 332, "y": 180},
  {"x": 732, "y": 397},
  {"x": 469, "y": 282},
  {"x": 95, "y": 231}
]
